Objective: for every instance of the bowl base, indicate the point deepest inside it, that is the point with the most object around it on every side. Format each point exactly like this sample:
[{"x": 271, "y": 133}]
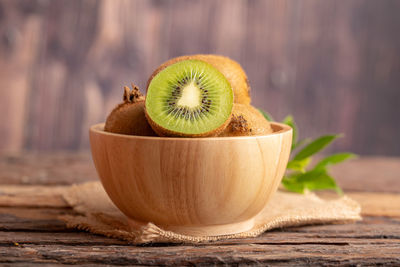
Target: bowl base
[{"x": 211, "y": 230}]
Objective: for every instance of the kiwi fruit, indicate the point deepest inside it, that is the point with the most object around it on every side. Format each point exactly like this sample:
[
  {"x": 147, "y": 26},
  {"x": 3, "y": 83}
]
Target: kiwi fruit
[
  {"x": 128, "y": 117},
  {"x": 189, "y": 98},
  {"x": 246, "y": 120},
  {"x": 231, "y": 69}
]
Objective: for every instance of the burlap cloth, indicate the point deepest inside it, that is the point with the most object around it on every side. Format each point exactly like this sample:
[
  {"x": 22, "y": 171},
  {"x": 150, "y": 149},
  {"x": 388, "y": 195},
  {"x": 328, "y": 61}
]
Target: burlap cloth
[{"x": 97, "y": 214}]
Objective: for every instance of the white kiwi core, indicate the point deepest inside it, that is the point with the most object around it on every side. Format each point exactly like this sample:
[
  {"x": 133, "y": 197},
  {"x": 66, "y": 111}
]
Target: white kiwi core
[{"x": 191, "y": 96}]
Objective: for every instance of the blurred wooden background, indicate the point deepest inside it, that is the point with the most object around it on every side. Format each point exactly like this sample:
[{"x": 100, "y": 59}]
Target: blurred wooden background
[{"x": 334, "y": 65}]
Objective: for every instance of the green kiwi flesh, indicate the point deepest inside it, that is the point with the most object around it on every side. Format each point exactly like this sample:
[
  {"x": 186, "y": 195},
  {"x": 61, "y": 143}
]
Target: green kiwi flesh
[{"x": 189, "y": 98}]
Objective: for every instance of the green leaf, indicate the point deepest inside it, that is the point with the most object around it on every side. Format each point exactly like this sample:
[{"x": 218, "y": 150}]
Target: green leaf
[
  {"x": 317, "y": 180},
  {"x": 292, "y": 185},
  {"x": 298, "y": 165},
  {"x": 311, "y": 180},
  {"x": 334, "y": 159},
  {"x": 315, "y": 146},
  {"x": 297, "y": 178},
  {"x": 288, "y": 120},
  {"x": 266, "y": 115},
  {"x": 321, "y": 182},
  {"x": 311, "y": 176}
]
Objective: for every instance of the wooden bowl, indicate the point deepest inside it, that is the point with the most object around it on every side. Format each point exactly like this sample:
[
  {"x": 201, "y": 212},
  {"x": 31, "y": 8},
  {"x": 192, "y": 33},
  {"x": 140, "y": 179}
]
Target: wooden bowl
[{"x": 195, "y": 186}]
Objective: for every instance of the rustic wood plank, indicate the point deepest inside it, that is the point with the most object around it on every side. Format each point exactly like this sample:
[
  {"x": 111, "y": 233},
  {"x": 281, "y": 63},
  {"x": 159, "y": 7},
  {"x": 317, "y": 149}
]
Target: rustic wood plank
[
  {"x": 43, "y": 239},
  {"x": 370, "y": 227},
  {"x": 374, "y": 204},
  {"x": 17, "y": 58},
  {"x": 381, "y": 232},
  {"x": 47, "y": 169},
  {"x": 32, "y": 220},
  {"x": 307, "y": 254},
  {"x": 56, "y": 87},
  {"x": 33, "y": 196},
  {"x": 373, "y": 174},
  {"x": 10, "y": 238}
]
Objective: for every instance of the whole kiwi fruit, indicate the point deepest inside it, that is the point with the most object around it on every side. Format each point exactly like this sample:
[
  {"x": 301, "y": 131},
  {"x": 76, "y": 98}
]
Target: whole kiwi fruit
[
  {"x": 231, "y": 69},
  {"x": 189, "y": 98},
  {"x": 128, "y": 117},
  {"x": 246, "y": 120}
]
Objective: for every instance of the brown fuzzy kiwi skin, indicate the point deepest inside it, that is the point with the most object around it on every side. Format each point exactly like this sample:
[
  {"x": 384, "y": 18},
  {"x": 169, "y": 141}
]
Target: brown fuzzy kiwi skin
[
  {"x": 231, "y": 69},
  {"x": 161, "y": 131},
  {"x": 247, "y": 121},
  {"x": 129, "y": 117}
]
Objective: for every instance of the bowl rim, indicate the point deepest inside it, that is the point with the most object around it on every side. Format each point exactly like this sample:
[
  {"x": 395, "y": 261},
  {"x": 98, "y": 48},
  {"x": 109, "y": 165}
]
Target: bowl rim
[{"x": 99, "y": 129}]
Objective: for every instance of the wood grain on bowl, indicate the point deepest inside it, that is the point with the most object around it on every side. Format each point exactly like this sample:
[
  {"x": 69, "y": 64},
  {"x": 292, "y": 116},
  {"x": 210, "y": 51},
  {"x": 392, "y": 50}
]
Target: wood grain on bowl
[{"x": 191, "y": 185}]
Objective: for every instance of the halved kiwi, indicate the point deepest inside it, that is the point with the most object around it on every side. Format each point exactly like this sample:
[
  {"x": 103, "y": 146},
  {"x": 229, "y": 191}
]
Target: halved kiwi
[
  {"x": 189, "y": 98},
  {"x": 246, "y": 120},
  {"x": 230, "y": 68},
  {"x": 128, "y": 117}
]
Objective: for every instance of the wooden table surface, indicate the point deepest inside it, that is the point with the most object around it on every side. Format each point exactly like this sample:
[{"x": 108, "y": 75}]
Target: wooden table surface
[{"x": 30, "y": 232}]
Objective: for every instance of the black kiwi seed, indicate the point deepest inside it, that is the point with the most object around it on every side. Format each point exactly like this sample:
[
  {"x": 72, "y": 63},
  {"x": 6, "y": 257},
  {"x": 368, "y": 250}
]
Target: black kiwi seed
[{"x": 174, "y": 111}]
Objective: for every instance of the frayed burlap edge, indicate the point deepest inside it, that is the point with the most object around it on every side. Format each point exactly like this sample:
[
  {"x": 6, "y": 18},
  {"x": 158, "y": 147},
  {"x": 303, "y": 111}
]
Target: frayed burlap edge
[{"x": 97, "y": 214}]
